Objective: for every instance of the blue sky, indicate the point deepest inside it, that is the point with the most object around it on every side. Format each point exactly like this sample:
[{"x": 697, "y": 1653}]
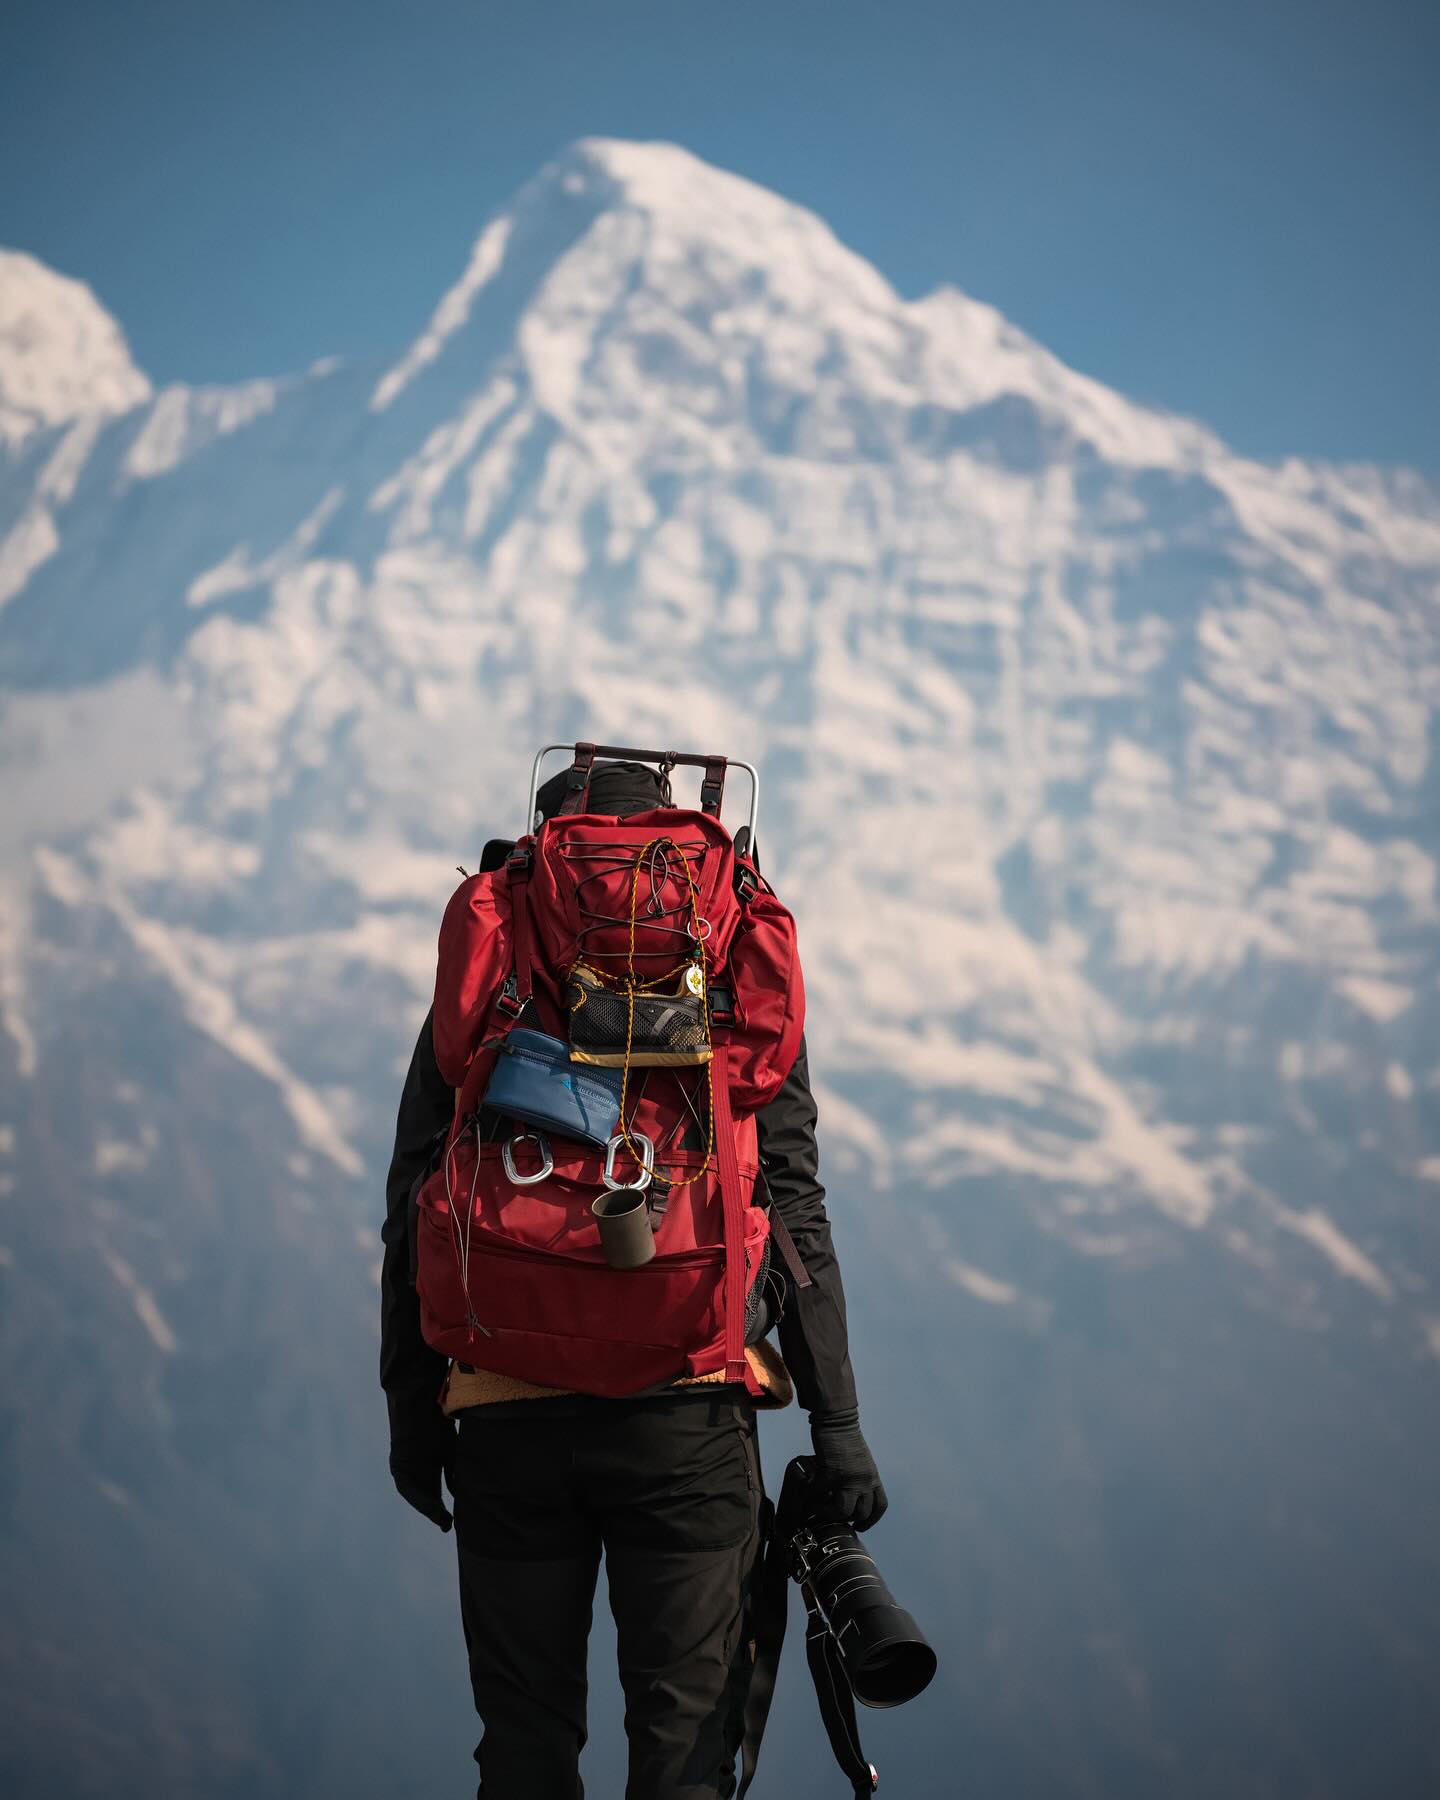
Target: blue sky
[{"x": 1227, "y": 208}]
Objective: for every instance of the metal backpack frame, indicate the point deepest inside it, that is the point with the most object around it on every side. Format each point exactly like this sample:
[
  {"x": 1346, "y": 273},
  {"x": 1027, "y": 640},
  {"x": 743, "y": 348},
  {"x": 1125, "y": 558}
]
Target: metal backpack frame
[{"x": 712, "y": 787}]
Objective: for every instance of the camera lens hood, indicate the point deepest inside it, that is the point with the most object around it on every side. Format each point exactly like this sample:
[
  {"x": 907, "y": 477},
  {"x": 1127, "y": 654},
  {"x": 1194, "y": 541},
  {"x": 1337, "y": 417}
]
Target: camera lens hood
[{"x": 883, "y": 1652}]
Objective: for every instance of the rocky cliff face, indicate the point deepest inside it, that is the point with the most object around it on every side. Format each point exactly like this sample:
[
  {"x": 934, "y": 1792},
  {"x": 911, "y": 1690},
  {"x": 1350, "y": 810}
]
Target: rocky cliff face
[{"x": 1100, "y": 770}]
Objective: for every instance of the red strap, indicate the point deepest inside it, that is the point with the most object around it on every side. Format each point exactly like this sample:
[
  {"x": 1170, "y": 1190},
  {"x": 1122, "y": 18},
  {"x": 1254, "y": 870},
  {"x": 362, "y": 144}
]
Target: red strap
[
  {"x": 517, "y": 870},
  {"x": 734, "y": 1211}
]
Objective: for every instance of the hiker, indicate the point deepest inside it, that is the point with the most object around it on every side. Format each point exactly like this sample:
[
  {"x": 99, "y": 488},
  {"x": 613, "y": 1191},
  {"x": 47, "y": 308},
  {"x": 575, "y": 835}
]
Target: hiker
[{"x": 666, "y": 1480}]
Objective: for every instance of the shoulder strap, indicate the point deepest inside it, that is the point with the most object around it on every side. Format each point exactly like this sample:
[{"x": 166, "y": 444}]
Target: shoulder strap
[
  {"x": 516, "y": 992},
  {"x": 736, "y": 1366}
]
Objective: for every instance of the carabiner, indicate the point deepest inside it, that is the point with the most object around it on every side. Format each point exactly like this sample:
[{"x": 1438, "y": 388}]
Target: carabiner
[
  {"x": 507, "y": 1157},
  {"x": 647, "y": 1160}
]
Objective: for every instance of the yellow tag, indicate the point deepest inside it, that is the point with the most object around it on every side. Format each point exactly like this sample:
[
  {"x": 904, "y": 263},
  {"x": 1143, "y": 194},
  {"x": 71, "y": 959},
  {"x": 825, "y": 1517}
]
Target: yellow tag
[{"x": 695, "y": 980}]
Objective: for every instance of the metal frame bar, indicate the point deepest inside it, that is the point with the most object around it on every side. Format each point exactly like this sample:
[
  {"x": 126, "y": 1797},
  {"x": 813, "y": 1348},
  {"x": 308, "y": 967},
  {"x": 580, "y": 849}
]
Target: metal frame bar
[{"x": 651, "y": 756}]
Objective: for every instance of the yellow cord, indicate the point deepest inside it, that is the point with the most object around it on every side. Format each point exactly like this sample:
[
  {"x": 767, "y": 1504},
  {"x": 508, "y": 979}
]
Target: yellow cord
[{"x": 633, "y": 986}]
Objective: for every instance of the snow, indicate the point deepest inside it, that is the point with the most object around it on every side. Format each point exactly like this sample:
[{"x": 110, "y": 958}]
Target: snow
[
  {"x": 1381, "y": 1000},
  {"x": 146, "y": 1309},
  {"x": 1398, "y": 1081},
  {"x": 970, "y": 354},
  {"x": 195, "y": 973},
  {"x": 237, "y": 574},
  {"x": 450, "y": 315},
  {"x": 121, "y": 1156},
  {"x": 732, "y": 216},
  {"x": 62, "y": 472},
  {"x": 415, "y": 488},
  {"x": 24, "y": 547},
  {"x": 1343, "y": 1255},
  {"x": 979, "y": 1285},
  {"x": 61, "y": 354},
  {"x": 182, "y": 418},
  {"x": 15, "y": 955}
]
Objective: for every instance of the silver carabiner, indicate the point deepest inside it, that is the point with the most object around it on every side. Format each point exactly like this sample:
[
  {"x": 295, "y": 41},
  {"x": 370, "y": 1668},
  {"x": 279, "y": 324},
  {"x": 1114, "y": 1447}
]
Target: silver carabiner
[
  {"x": 507, "y": 1156},
  {"x": 647, "y": 1160}
]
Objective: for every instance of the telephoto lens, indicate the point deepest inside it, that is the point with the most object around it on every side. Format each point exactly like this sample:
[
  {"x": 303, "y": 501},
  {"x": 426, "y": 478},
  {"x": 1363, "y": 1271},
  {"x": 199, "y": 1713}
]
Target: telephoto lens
[
  {"x": 859, "y": 1644},
  {"x": 882, "y": 1650}
]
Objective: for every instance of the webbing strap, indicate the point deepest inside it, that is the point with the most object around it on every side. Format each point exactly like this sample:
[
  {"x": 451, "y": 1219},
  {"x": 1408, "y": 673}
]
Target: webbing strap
[
  {"x": 837, "y": 1703},
  {"x": 785, "y": 1244},
  {"x": 769, "y": 1600},
  {"x": 577, "y": 783},
  {"x": 712, "y": 787},
  {"x": 517, "y": 869},
  {"x": 734, "y": 1211}
]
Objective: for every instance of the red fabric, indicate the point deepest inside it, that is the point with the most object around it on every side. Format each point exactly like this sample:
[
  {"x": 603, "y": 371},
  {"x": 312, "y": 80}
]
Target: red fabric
[
  {"x": 476, "y": 954},
  {"x": 734, "y": 1221},
  {"x": 535, "y": 1276},
  {"x": 555, "y": 1312},
  {"x": 764, "y": 973},
  {"x": 584, "y": 870}
]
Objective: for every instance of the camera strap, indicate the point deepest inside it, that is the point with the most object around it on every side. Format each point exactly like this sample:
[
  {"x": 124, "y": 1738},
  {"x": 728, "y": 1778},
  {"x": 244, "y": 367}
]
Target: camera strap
[
  {"x": 769, "y": 1603},
  {"x": 837, "y": 1703}
]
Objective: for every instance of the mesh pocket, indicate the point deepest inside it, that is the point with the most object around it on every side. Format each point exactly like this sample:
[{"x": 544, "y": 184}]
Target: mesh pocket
[
  {"x": 756, "y": 1313},
  {"x": 668, "y": 1032}
]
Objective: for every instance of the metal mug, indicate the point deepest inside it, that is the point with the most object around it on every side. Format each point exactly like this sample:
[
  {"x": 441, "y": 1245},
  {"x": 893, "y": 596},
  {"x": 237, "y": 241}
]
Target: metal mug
[{"x": 622, "y": 1212}]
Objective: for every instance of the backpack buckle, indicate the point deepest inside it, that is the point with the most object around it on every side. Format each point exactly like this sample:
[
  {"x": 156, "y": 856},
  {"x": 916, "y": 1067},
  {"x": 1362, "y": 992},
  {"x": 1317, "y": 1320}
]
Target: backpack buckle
[
  {"x": 722, "y": 1007},
  {"x": 712, "y": 788},
  {"x": 508, "y": 1000},
  {"x": 747, "y": 884}
]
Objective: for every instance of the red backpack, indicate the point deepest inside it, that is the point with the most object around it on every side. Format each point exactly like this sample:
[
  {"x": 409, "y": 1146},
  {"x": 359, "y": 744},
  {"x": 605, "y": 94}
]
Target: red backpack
[{"x": 652, "y": 963}]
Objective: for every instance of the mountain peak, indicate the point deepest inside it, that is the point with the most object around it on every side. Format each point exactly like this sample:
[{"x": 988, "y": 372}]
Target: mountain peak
[
  {"x": 61, "y": 353},
  {"x": 683, "y": 195},
  {"x": 707, "y": 272},
  {"x": 665, "y": 178},
  {"x": 674, "y": 222}
]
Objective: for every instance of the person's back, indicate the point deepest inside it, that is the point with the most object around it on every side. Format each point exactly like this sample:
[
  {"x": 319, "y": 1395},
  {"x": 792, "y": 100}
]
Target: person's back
[{"x": 665, "y": 1481}]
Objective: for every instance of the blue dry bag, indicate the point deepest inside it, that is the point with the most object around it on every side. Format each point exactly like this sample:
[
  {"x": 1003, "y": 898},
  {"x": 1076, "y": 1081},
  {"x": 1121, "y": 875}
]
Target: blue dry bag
[{"x": 534, "y": 1080}]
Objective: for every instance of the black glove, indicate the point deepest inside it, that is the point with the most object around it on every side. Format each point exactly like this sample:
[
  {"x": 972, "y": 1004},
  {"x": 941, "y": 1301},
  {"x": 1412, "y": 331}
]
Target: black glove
[
  {"x": 848, "y": 1485},
  {"x": 422, "y": 1449}
]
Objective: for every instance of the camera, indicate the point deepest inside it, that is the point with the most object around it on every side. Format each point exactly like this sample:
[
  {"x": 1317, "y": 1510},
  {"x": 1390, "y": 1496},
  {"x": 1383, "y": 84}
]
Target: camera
[
  {"x": 883, "y": 1652},
  {"x": 859, "y": 1642}
]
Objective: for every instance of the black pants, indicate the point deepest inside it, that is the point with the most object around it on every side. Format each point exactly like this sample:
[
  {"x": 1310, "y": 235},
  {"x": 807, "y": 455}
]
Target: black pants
[{"x": 670, "y": 1487}]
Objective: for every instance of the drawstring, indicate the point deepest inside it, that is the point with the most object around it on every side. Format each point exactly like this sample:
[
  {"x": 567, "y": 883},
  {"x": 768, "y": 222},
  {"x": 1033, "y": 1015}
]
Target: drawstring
[
  {"x": 652, "y": 854},
  {"x": 462, "y": 1250}
]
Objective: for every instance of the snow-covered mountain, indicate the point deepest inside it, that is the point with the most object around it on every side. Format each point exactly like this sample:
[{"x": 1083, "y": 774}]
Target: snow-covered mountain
[
  {"x": 1100, "y": 769},
  {"x": 62, "y": 357}
]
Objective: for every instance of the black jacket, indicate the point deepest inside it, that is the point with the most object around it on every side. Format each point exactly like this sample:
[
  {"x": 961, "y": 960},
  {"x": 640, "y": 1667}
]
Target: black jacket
[{"x": 812, "y": 1330}]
